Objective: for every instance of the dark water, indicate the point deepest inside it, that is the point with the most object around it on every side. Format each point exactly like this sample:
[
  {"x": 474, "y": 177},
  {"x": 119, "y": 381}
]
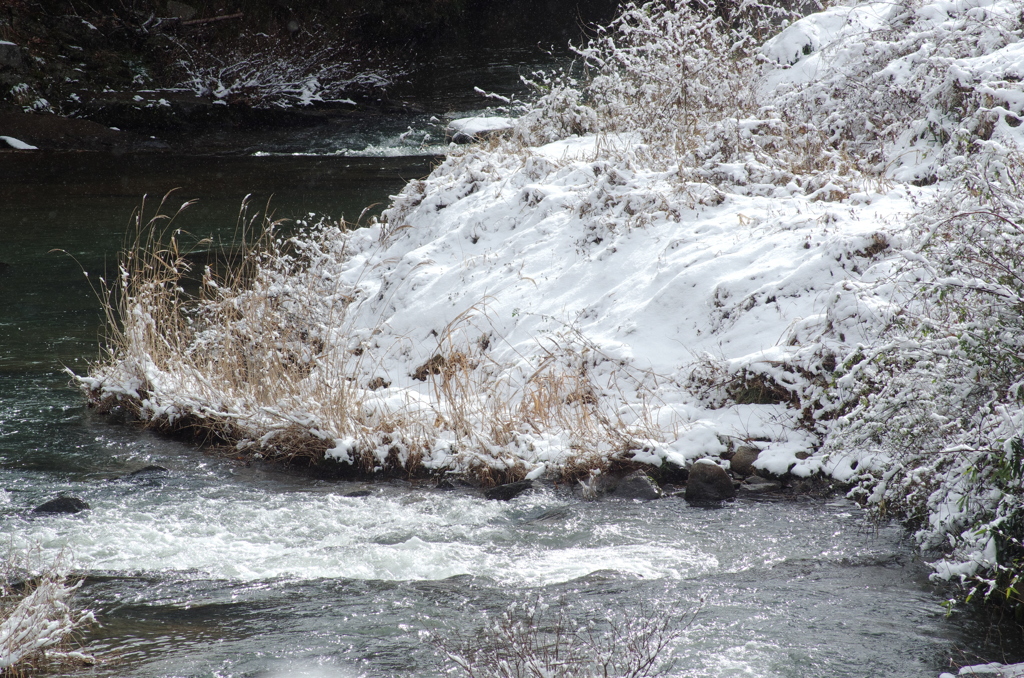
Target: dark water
[{"x": 216, "y": 569}]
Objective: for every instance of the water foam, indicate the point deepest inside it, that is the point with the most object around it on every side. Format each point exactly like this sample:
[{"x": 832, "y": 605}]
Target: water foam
[{"x": 249, "y": 535}]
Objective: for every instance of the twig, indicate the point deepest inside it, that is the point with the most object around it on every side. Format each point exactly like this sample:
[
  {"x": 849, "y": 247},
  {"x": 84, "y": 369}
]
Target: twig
[{"x": 196, "y": 22}]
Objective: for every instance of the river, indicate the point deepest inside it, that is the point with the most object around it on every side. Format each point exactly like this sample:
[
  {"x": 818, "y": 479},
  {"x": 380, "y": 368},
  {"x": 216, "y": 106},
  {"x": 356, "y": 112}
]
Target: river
[{"x": 219, "y": 569}]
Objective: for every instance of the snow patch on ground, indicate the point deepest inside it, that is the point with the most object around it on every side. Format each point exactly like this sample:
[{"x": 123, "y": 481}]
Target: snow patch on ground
[{"x": 18, "y": 144}]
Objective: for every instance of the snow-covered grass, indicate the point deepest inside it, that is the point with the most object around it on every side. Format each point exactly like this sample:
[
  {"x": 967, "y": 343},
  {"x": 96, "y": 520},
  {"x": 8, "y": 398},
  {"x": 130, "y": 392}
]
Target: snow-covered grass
[
  {"x": 36, "y": 617},
  {"x": 719, "y": 229},
  {"x": 536, "y": 640},
  {"x": 259, "y": 71}
]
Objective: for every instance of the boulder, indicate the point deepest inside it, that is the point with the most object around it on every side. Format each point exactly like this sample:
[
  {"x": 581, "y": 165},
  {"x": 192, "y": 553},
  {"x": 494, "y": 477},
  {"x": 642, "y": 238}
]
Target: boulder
[
  {"x": 10, "y": 56},
  {"x": 509, "y": 491},
  {"x": 358, "y": 493},
  {"x": 62, "y": 505},
  {"x": 743, "y": 459},
  {"x": 708, "y": 483},
  {"x": 146, "y": 471},
  {"x": 637, "y": 485}
]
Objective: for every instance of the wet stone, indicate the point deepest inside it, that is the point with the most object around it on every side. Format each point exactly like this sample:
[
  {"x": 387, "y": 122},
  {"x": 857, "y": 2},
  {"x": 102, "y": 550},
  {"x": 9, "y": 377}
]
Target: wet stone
[
  {"x": 62, "y": 505},
  {"x": 757, "y": 484},
  {"x": 638, "y": 485},
  {"x": 509, "y": 491},
  {"x": 708, "y": 483},
  {"x": 151, "y": 470}
]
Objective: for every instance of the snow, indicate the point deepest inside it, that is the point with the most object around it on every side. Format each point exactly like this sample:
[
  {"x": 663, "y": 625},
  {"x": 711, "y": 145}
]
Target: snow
[
  {"x": 558, "y": 250},
  {"x": 463, "y": 130},
  {"x": 995, "y": 670},
  {"x": 18, "y": 144},
  {"x": 819, "y": 31}
]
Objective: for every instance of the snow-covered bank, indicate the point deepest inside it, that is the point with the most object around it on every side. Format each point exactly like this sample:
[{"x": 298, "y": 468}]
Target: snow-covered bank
[
  {"x": 712, "y": 241},
  {"x": 526, "y": 309}
]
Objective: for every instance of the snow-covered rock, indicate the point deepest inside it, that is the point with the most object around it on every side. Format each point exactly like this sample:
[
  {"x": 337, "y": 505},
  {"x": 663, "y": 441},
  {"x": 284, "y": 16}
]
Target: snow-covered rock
[
  {"x": 468, "y": 130},
  {"x": 993, "y": 670}
]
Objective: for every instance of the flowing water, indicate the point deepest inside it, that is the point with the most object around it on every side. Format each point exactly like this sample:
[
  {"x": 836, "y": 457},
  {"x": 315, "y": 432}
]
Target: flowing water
[{"x": 215, "y": 568}]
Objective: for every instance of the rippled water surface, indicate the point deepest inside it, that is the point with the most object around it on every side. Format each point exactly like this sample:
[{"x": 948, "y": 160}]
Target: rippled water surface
[{"x": 215, "y": 568}]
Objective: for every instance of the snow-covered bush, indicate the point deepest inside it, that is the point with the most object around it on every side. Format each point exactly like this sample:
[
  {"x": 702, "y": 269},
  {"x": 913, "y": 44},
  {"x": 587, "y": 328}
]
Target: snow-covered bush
[
  {"x": 258, "y": 71},
  {"x": 36, "y": 617},
  {"x": 666, "y": 71},
  {"x": 901, "y": 88},
  {"x": 944, "y": 396}
]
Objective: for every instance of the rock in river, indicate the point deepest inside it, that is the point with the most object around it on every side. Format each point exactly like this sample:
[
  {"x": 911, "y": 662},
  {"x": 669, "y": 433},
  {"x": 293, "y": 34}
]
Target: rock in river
[
  {"x": 708, "y": 483},
  {"x": 637, "y": 485},
  {"x": 509, "y": 491},
  {"x": 758, "y": 484},
  {"x": 62, "y": 505},
  {"x": 151, "y": 470}
]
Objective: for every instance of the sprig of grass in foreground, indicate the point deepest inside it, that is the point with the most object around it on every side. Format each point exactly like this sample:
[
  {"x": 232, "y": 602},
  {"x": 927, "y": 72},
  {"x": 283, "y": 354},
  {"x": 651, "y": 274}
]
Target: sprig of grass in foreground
[
  {"x": 540, "y": 640},
  {"x": 37, "y": 618}
]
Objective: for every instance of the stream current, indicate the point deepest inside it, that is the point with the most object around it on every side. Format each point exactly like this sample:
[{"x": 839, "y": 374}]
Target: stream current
[{"x": 217, "y": 569}]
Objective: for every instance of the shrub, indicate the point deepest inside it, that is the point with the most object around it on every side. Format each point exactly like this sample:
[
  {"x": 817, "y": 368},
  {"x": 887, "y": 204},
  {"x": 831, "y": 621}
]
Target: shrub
[
  {"x": 944, "y": 396},
  {"x": 259, "y": 71},
  {"x": 666, "y": 71}
]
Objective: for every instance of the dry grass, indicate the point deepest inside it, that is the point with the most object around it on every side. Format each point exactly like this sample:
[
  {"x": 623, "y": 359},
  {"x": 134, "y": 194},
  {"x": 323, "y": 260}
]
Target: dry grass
[
  {"x": 497, "y": 406},
  {"x": 220, "y": 354},
  {"x": 261, "y": 359}
]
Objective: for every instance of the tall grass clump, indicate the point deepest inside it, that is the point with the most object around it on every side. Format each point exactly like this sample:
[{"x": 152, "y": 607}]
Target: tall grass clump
[
  {"x": 232, "y": 359},
  {"x": 569, "y": 393},
  {"x": 37, "y": 617}
]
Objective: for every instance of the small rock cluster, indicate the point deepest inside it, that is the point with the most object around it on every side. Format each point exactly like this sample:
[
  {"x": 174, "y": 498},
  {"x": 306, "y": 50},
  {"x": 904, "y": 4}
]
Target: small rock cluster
[{"x": 708, "y": 482}]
